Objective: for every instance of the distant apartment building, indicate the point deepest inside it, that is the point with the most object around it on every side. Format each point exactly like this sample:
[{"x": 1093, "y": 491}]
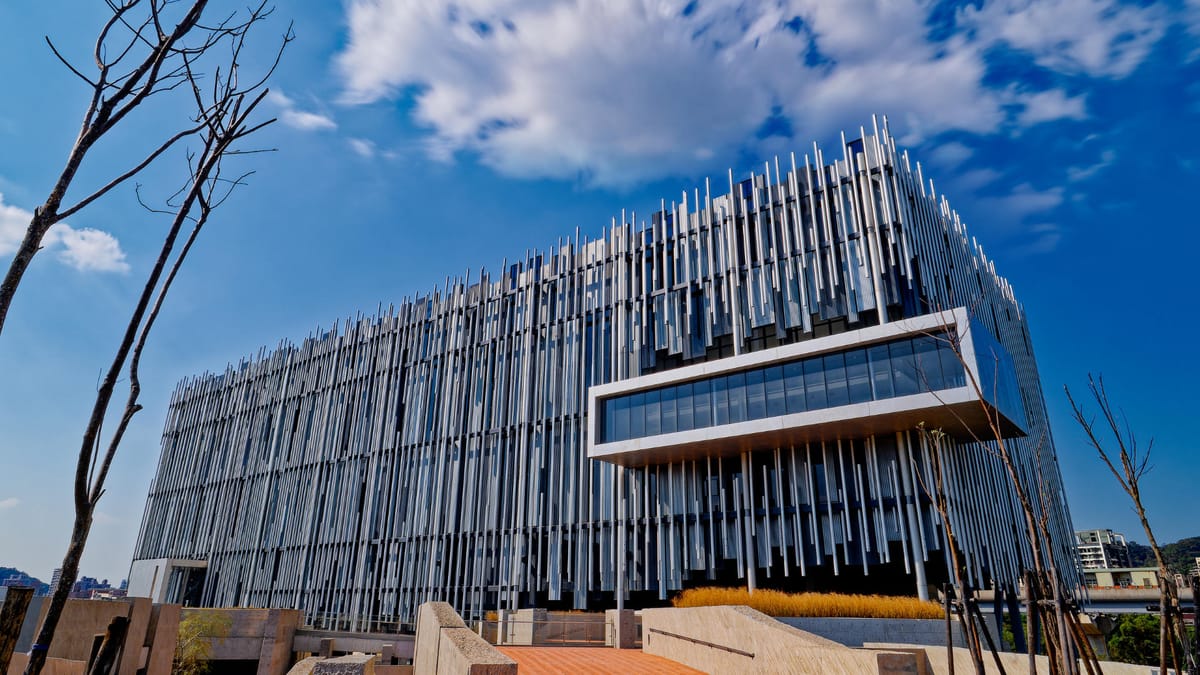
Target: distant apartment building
[
  {"x": 1121, "y": 577},
  {"x": 1102, "y": 549},
  {"x": 727, "y": 394}
]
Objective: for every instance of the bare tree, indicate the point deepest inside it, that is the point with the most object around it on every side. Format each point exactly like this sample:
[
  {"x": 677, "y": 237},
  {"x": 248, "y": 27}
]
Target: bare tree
[
  {"x": 225, "y": 110},
  {"x": 138, "y": 57},
  {"x": 933, "y": 440},
  {"x": 1045, "y": 594},
  {"x": 1129, "y": 463}
]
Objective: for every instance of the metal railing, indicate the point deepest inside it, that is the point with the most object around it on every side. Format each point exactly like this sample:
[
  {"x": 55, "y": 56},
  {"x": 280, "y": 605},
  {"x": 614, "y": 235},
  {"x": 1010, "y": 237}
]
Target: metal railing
[
  {"x": 546, "y": 633},
  {"x": 706, "y": 643}
]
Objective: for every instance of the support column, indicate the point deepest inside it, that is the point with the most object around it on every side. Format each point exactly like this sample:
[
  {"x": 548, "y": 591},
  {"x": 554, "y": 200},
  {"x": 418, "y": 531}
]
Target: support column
[
  {"x": 748, "y": 520},
  {"x": 620, "y": 537},
  {"x": 910, "y": 508}
]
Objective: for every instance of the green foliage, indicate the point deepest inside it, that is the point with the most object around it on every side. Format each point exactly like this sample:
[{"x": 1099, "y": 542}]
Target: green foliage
[
  {"x": 197, "y": 631},
  {"x": 1180, "y": 556},
  {"x": 1134, "y": 639}
]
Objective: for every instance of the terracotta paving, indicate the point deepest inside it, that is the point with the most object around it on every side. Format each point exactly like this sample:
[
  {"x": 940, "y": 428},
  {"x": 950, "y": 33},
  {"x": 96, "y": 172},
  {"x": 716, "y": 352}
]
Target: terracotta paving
[{"x": 589, "y": 661}]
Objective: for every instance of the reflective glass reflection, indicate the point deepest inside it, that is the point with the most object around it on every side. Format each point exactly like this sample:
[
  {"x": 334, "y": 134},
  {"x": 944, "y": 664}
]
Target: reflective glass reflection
[{"x": 886, "y": 370}]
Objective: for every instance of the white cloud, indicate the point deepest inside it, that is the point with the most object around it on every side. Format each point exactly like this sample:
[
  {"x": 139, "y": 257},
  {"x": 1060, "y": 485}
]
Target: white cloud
[
  {"x": 950, "y": 154},
  {"x": 1191, "y": 18},
  {"x": 13, "y": 221},
  {"x": 1080, "y": 173},
  {"x": 1051, "y": 105},
  {"x": 1043, "y": 238},
  {"x": 1098, "y": 38},
  {"x": 620, "y": 91},
  {"x": 85, "y": 249},
  {"x": 974, "y": 179},
  {"x": 362, "y": 147},
  {"x": 303, "y": 120},
  {"x": 1023, "y": 200},
  {"x": 9, "y": 503}
]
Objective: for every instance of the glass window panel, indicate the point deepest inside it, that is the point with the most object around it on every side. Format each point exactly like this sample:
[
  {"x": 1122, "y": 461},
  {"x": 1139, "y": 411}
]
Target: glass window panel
[
  {"x": 952, "y": 369},
  {"x": 881, "y": 372},
  {"x": 653, "y": 413},
  {"x": 904, "y": 368},
  {"x": 621, "y": 426},
  {"x": 929, "y": 371},
  {"x": 814, "y": 384},
  {"x": 737, "y": 397},
  {"x": 720, "y": 400},
  {"x": 775, "y": 397},
  {"x": 793, "y": 379},
  {"x": 637, "y": 415},
  {"x": 668, "y": 409},
  {"x": 610, "y": 420},
  {"x": 686, "y": 420},
  {"x": 858, "y": 377},
  {"x": 702, "y": 404},
  {"x": 756, "y": 395},
  {"x": 835, "y": 379}
]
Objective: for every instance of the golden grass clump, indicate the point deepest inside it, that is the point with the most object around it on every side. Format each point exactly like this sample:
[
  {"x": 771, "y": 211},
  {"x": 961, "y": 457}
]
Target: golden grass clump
[{"x": 779, "y": 603}]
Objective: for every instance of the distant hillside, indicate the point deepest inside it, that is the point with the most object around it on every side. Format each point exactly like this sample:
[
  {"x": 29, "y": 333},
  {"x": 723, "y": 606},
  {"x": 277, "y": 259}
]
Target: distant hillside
[
  {"x": 39, "y": 585},
  {"x": 1180, "y": 556}
]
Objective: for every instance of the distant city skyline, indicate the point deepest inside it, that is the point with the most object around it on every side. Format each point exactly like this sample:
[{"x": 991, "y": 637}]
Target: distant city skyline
[{"x": 1064, "y": 131}]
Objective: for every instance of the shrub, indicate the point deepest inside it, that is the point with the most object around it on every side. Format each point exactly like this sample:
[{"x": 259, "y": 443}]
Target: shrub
[
  {"x": 779, "y": 603},
  {"x": 197, "y": 630}
]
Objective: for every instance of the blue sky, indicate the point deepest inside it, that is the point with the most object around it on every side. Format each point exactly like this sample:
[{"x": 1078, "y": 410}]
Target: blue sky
[{"x": 424, "y": 139}]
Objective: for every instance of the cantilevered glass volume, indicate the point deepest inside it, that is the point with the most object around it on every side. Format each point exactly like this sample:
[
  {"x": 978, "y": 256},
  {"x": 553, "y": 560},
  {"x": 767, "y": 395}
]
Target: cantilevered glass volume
[{"x": 726, "y": 393}]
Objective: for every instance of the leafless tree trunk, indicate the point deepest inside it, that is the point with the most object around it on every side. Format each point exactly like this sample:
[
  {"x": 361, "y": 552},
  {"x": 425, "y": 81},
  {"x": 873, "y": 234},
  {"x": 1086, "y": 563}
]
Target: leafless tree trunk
[
  {"x": 933, "y": 440},
  {"x": 138, "y": 56},
  {"x": 1042, "y": 586},
  {"x": 224, "y": 110},
  {"x": 1128, "y": 464}
]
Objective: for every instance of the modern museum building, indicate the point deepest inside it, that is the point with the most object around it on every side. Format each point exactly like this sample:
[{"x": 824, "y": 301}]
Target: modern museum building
[{"x": 744, "y": 389}]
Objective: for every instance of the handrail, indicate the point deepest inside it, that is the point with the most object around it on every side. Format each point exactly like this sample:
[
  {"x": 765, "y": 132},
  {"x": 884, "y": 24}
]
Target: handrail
[{"x": 706, "y": 643}]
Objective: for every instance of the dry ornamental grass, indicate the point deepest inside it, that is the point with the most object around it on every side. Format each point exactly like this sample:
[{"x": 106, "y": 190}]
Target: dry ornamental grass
[{"x": 778, "y": 603}]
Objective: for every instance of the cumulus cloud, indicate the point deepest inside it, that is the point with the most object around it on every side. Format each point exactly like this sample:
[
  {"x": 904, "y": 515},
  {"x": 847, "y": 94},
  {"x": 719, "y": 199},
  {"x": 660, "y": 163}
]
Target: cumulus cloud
[
  {"x": 1098, "y": 38},
  {"x": 1051, "y": 105},
  {"x": 9, "y": 503},
  {"x": 85, "y": 249},
  {"x": 620, "y": 91},
  {"x": 303, "y": 120}
]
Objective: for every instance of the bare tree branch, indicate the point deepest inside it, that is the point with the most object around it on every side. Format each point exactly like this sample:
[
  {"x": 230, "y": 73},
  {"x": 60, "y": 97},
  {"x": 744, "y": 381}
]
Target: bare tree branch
[
  {"x": 146, "y": 61},
  {"x": 222, "y": 119}
]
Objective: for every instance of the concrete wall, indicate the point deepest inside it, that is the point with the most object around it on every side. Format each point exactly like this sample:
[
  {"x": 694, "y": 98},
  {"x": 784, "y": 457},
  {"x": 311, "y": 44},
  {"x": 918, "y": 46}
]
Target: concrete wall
[
  {"x": 263, "y": 635},
  {"x": 445, "y": 646},
  {"x": 52, "y": 667},
  {"x": 853, "y": 632},
  {"x": 743, "y": 640},
  {"x": 82, "y": 620}
]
